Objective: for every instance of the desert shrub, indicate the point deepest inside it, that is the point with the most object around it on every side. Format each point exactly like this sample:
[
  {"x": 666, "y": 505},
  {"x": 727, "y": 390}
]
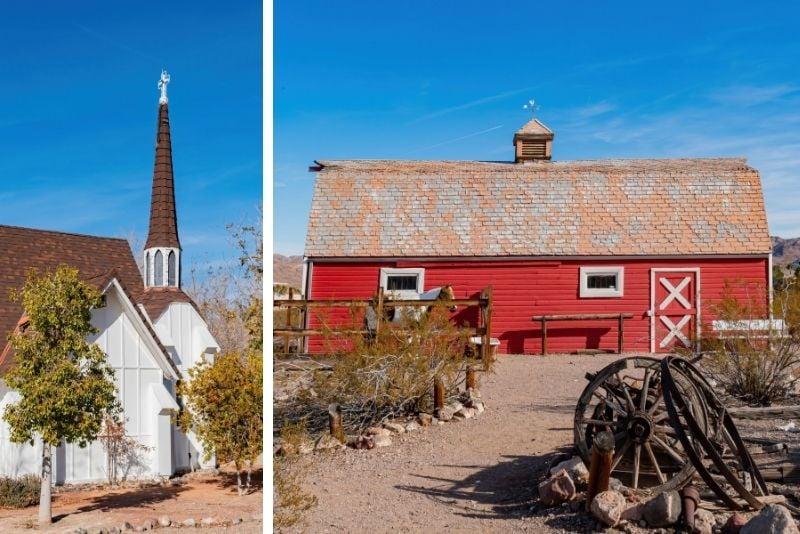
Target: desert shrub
[
  {"x": 289, "y": 499},
  {"x": 756, "y": 360},
  {"x": 19, "y": 492},
  {"x": 387, "y": 374}
]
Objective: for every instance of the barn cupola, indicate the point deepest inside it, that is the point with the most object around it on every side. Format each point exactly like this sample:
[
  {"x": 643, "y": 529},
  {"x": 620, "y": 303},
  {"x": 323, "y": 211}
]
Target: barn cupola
[
  {"x": 533, "y": 142},
  {"x": 162, "y": 250}
]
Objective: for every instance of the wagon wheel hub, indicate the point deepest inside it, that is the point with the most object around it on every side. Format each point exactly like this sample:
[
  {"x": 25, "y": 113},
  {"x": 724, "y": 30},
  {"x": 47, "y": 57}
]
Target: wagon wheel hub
[{"x": 640, "y": 426}]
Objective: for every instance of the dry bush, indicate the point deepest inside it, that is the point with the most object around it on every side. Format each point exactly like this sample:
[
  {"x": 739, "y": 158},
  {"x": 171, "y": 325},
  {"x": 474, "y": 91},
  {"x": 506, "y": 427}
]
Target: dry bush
[
  {"x": 374, "y": 378},
  {"x": 289, "y": 500},
  {"x": 19, "y": 492},
  {"x": 755, "y": 360}
]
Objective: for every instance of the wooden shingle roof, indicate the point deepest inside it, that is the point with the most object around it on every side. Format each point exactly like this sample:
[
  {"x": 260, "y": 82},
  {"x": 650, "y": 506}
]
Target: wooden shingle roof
[
  {"x": 163, "y": 230},
  {"x": 384, "y": 208}
]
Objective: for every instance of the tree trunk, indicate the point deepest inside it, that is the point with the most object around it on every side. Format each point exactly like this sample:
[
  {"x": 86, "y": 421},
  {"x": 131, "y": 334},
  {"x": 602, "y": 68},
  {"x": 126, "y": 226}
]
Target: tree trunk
[
  {"x": 45, "y": 509},
  {"x": 238, "y": 480},
  {"x": 249, "y": 470}
]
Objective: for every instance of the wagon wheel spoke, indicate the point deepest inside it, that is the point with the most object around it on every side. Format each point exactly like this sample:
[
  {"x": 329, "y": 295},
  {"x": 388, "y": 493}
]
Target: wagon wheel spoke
[
  {"x": 620, "y": 454},
  {"x": 645, "y": 386},
  {"x": 652, "y": 456},
  {"x": 637, "y": 453},
  {"x": 624, "y": 386},
  {"x": 611, "y": 404},
  {"x": 668, "y": 430},
  {"x": 660, "y": 397},
  {"x": 669, "y": 450}
]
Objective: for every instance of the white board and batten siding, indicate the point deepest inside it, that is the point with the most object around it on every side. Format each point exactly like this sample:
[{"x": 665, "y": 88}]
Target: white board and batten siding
[
  {"x": 137, "y": 377},
  {"x": 185, "y": 334}
]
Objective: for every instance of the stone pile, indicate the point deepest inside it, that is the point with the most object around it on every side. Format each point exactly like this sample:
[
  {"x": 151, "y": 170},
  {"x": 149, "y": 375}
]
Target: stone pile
[
  {"x": 153, "y": 524},
  {"x": 619, "y": 506}
]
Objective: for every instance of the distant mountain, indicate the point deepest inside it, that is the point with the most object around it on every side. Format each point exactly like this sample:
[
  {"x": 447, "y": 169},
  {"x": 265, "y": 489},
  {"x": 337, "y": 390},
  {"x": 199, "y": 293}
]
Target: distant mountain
[
  {"x": 785, "y": 251},
  {"x": 287, "y": 270}
]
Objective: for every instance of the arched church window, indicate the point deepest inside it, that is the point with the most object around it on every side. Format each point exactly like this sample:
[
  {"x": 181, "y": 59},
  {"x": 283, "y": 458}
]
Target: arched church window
[
  {"x": 148, "y": 270},
  {"x": 171, "y": 268},
  {"x": 158, "y": 272}
]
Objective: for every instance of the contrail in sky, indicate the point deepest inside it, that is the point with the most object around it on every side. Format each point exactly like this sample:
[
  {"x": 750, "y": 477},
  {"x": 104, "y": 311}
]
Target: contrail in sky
[
  {"x": 456, "y": 139},
  {"x": 484, "y": 100}
]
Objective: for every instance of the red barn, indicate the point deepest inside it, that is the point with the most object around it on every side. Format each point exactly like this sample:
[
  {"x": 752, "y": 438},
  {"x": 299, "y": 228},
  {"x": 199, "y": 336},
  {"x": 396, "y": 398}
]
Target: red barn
[{"x": 654, "y": 238}]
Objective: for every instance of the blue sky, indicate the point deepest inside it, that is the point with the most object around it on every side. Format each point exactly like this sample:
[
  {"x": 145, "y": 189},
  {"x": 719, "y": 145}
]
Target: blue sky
[
  {"x": 78, "y": 109},
  {"x": 447, "y": 80}
]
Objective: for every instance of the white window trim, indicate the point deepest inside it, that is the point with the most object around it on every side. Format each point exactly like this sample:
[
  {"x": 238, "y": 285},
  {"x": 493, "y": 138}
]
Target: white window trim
[
  {"x": 392, "y": 271},
  {"x": 588, "y": 293}
]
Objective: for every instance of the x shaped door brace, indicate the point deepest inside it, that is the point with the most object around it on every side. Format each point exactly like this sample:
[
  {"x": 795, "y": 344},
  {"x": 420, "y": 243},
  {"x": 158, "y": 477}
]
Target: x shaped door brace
[{"x": 675, "y": 293}]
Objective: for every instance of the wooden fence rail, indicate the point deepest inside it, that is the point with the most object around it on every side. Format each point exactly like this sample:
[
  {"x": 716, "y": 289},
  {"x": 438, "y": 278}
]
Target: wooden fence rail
[{"x": 484, "y": 303}]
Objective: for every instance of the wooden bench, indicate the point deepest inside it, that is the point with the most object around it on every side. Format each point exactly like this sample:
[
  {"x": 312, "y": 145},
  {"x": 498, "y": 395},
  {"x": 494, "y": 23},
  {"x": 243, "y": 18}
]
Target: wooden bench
[{"x": 620, "y": 317}]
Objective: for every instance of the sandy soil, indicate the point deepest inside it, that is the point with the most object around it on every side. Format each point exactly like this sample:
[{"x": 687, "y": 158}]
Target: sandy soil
[
  {"x": 204, "y": 495},
  {"x": 479, "y": 475}
]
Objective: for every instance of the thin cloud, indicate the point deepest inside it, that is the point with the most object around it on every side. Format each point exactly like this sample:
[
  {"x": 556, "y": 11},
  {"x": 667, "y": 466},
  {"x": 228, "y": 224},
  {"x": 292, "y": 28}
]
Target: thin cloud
[
  {"x": 475, "y": 134},
  {"x": 102, "y": 38},
  {"x": 461, "y": 107},
  {"x": 751, "y": 95}
]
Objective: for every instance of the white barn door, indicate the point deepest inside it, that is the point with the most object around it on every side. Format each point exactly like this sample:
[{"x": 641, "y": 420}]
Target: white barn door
[{"x": 674, "y": 308}]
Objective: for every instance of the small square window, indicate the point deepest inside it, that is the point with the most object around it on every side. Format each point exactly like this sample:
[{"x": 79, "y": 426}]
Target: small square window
[
  {"x": 598, "y": 282},
  {"x": 404, "y": 282}
]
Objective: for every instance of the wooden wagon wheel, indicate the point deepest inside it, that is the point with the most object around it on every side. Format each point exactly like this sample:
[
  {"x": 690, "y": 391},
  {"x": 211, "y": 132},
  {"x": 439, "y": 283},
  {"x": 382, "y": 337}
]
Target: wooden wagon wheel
[{"x": 626, "y": 398}]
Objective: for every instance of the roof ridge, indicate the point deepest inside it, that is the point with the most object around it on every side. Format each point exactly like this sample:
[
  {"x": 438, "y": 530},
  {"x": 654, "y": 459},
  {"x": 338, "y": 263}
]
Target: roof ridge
[{"x": 59, "y": 232}]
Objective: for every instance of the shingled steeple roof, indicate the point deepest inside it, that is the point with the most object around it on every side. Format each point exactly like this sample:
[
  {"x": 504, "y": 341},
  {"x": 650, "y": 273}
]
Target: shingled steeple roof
[{"x": 163, "y": 217}]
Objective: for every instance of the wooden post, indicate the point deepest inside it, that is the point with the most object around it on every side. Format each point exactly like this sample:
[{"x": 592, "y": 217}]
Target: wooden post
[
  {"x": 379, "y": 312},
  {"x": 619, "y": 344},
  {"x": 600, "y": 470},
  {"x": 471, "y": 382},
  {"x": 335, "y": 421},
  {"x": 438, "y": 395},
  {"x": 488, "y": 335},
  {"x": 289, "y": 324},
  {"x": 544, "y": 336}
]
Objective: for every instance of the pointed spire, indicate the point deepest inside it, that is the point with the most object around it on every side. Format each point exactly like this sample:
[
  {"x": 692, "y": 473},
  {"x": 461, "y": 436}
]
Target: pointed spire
[{"x": 163, "y": 230}]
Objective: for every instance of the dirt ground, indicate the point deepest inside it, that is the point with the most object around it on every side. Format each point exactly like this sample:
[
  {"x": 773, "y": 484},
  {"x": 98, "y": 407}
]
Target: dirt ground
[
  {"x": 479, "y": 475},
  {"x": 203, "y": 495}
]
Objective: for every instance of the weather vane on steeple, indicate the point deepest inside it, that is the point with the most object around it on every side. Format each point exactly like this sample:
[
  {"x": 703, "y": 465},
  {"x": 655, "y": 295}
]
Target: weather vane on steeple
[
  {"x": 531, "y": 105},
  {"x": 162, "y": 84}
]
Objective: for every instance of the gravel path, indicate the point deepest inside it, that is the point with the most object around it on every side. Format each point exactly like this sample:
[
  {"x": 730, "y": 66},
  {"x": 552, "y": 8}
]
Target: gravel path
[{"x": 479, "y": 475}]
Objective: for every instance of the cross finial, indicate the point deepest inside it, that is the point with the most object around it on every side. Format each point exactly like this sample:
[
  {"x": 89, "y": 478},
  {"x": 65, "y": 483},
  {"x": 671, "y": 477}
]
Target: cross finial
[
  {"x": 531, "y": 106},
  {"x": 162, "y": 84}
]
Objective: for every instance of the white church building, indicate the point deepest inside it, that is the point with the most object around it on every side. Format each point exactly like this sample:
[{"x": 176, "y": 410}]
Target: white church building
[{"x": 150, "y": 330}]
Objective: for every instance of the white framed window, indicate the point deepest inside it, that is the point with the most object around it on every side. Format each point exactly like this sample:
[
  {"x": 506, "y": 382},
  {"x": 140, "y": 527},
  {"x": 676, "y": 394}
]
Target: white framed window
[
  {"x": 598, "y": 282},
  {"x": 403, "y": 282}
]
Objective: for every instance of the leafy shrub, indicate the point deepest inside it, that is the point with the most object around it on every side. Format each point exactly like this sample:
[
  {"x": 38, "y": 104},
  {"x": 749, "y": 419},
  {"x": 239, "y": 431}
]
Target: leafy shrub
[
  {"x": 756, "y": 360},
  {"x": 19, "y": 492}
]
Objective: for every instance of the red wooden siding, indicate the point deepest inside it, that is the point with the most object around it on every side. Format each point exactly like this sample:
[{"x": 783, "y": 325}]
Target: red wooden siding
[{"x": 526, "y": 288}]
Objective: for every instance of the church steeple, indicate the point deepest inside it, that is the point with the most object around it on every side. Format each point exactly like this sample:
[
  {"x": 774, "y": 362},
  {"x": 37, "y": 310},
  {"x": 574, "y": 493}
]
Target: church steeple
[{"x": 162, "y": 250}]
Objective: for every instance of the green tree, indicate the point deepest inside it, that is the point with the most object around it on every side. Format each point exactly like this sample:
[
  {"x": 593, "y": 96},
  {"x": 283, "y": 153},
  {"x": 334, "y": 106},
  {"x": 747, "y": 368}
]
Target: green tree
[
  {"x": 225, "y": 402},
  {"x": 65, "y": 385}
]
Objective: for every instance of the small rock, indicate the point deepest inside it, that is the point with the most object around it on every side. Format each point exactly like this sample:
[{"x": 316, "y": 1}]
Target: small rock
[
  {"x": 425, "y": 419},
  {"x": 616, "y": 485},
  {"x": 557, "y": 489},
  {"x": 439, "y": 422},
  {"x": 574, "y": 467},
  {"x": 663, "y": 510},
  {"x": 703, "y": 522},
  {"x": 377, "y": 431},
  {"x": 734, "y": 524},
  {"x": 327, "y": 442},
  {"x": 633, "y": 513},
  {"x": 394, "y": 427},
  {"x": 772, "y": 519},
  {"x": 236, "y": 521},
  {"x": 479, "y": 406},
  {"x": 608, "y": 506},
  {"x": 149, "y": 524},
  {"x": 306, "y": 446},
  {"x": 164, "y": 521},
  {"x": 126, "y": 526},
  {"x": 446, "y": 413},
  {"x": 114, "y": 530},
  {"x": 365, "y": 443},
  {"x": 101, "y": 530},
  {"x": 189, "y": 522},
  {"x": 382, "y": 441},
  {"x": 642, "y": 524},
  {"x": 208, "y": 522},
  {"x": 455, "y": 405},
  {"x": 464, "y": 413},
  {"x": 412, "y": 426}
]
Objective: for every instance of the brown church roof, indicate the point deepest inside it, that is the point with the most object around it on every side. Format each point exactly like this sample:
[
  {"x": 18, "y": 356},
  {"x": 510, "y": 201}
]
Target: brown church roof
[
  {"x": 163, "y": 230},
  {"x": 540, "y": 208},
  {"x": 94, "y": 257}
]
